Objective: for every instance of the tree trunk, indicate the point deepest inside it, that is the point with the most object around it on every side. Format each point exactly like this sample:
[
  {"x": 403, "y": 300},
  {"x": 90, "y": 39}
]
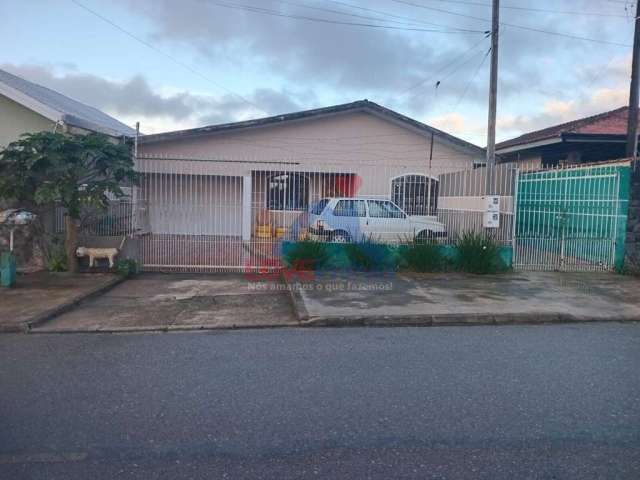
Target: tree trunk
[{"x": 70, "y": 243}]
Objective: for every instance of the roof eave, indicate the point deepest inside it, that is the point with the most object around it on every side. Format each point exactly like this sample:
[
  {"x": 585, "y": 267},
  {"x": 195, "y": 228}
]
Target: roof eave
[
  {"x": 31, "y": 103},
  {"x": 86, "y": 125},
  {"x": 358, "y": 106},
  {"x": 529, "y": 145}
]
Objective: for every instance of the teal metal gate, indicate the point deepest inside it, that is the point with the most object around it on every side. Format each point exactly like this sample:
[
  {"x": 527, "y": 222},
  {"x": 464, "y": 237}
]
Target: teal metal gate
[{"x": 572, "y": 219}]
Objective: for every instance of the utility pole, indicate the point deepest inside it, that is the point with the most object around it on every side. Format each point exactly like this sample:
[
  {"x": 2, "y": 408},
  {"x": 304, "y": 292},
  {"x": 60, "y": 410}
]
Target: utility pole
[
  {"x": 493, "y": 85},
  {"x": 632, "y": 121}
]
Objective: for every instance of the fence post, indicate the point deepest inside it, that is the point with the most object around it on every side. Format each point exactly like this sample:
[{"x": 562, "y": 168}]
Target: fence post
[
  {"x": 246, "y": 208},
  {"x": 514, "y": 217}
]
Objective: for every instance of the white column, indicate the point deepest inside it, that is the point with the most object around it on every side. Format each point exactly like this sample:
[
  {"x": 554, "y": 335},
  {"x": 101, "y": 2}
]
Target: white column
[{"x": 246, "y": 208}]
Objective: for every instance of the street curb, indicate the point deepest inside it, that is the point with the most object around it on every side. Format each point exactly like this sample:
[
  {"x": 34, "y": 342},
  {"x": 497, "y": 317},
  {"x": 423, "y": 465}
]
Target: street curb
[
  {"x": 161, "y": 329},
  {"x": 47, "y": 315},
  {"x": 297, "y": 300},
  {"x": 458, "y": 319}
]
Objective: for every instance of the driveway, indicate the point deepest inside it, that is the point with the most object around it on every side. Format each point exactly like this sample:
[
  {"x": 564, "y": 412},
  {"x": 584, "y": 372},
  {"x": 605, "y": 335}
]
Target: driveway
[{"x": 180, "y": 301}]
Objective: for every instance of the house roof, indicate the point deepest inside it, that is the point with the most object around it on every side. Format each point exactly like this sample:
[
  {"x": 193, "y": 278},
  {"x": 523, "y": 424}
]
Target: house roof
[
  {"x": 357, "y": 106},
  {"x": 60, "y": 108},
  {"x": 613, "y": 122}
]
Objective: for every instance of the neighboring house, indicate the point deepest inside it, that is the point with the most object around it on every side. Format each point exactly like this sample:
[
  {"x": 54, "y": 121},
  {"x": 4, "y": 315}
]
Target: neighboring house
[
  {"x": 223, "y": 181},
  {"x": 26, "y": 107},
  {"x": 587, "y": 140}
]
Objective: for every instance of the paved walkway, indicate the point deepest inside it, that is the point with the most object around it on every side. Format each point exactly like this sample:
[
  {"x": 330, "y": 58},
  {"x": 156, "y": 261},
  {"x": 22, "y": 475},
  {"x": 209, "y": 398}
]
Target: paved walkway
[
  {"x": 180, "y": 302},
  {"x": 37, "y": 296},
  {"x": 461, "y": 298}
]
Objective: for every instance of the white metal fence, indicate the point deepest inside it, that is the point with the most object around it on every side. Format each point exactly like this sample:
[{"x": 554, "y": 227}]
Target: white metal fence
[{"x": 195, "y": 214}]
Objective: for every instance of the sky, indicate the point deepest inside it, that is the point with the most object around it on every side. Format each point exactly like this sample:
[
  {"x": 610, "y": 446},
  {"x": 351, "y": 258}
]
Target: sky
[{"x": 173, "y": 64}]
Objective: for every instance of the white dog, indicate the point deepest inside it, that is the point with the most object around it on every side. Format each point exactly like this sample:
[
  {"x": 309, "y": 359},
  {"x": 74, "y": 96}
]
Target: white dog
[{"x": 94, "y": 253}]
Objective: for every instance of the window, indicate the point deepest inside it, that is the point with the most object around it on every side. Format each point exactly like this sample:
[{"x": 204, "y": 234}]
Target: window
[
  {"x": 415, "y": 194},
  {"x": 350, "y": 208},
  {"x": 288, "y": 192},
  {"x": 318, "y": 207},
  {"x": 384, "y": 209}
]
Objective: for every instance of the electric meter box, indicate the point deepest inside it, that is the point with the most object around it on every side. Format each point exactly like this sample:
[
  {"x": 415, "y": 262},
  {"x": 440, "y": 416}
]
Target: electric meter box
[
  {"x": 492, "y": 203},
  {"x": 491, "y": 220}
]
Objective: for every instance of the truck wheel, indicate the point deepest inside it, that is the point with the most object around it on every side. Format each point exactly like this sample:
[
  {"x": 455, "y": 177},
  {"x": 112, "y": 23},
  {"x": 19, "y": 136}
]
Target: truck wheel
[{"x": 340, "y": 236}]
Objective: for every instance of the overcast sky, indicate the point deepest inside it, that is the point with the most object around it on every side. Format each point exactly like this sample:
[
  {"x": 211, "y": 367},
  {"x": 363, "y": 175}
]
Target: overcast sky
[{"x": 199, "y": 62}]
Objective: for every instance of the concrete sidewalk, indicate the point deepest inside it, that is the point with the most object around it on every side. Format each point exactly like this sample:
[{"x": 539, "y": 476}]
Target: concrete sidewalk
[
  {"x": 426, "y": 299},
  {"x": 164, "y": 302},
  {"x": 38, "y": 297}
]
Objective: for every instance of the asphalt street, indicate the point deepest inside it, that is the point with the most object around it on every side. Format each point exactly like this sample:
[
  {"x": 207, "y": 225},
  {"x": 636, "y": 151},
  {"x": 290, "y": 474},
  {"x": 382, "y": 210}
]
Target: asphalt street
[{"x": 507, "y": 402}]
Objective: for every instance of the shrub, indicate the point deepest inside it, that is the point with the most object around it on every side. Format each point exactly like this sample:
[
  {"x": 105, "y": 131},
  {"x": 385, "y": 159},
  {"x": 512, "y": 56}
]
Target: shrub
[
  {"x": 57, "y": 259},
  {"x": 307, "y": 255},
  {"x": 478, "y": 253},
  {"x": 127, "y": 267},
  {"x": 421, "y": 256},
  {"x": 369, "y": 255}
]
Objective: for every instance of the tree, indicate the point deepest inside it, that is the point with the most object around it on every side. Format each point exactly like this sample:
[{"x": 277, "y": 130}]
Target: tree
[{"x": 74, "y": 171}]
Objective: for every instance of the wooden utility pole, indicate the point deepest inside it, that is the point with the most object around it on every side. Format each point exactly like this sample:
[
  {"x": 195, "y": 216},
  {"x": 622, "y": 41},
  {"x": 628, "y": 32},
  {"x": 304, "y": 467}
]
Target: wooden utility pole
[
  {"x": 493, "y": 85},
  {"x": 632, "y": 121}
]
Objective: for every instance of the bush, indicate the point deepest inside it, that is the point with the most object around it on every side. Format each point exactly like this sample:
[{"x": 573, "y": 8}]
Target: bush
[
  {"x": 478, "y": 253},
  {"x": 368, "y": 255},
  {"x": 421, "y": 256},
  {"x": 307, "y": 255},
  {"x": 127, "y": 267},
  {"x": 57, "y": 259}
]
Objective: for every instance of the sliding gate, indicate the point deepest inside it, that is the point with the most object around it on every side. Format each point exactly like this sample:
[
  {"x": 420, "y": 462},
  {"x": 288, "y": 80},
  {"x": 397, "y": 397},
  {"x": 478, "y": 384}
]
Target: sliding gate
[{"x": 572, "y": 219}]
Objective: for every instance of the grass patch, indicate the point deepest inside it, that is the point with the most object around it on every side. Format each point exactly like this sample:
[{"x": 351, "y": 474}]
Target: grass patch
[
  {"x": 421, "y": 256},
  {"x": 370, "y": 256},
  {"x": 478, "y": 253}
]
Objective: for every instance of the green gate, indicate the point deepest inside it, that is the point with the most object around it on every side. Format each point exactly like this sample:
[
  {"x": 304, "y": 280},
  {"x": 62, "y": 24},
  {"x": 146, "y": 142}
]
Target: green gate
[{"x": 572, "y": 219}]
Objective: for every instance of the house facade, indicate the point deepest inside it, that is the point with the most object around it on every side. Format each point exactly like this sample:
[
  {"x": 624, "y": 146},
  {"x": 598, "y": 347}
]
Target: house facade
[
  {"x": 226, "y": 183},
  {"x": 593, "y": 139}
]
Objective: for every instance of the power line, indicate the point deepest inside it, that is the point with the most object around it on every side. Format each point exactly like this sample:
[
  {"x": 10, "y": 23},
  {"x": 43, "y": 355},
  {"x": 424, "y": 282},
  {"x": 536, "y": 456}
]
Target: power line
[
  {"x": 471, "y": 80},
  {"x": 355, "y": 15},
  {"x": 532, "y": 9},
  {"x": 456, "y": 60},
  {"x": 167, "y": 55},
  {"x": 521, "y": 27},
  {"x": 276, "y": 13},
  {"x": 392, "y": 15}
]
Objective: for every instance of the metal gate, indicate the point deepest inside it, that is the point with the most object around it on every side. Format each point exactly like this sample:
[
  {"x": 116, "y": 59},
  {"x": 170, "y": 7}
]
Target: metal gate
[{"x": 572, "y": 219}]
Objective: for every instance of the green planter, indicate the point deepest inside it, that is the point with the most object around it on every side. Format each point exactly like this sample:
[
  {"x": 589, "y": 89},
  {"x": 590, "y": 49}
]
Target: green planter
[{"x": 7, "y": 269}]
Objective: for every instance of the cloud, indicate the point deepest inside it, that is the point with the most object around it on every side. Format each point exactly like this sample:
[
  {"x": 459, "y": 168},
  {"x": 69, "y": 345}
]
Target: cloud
[
  {"x": 136, "y": 100},
  {"x": 556, "y": 111}
]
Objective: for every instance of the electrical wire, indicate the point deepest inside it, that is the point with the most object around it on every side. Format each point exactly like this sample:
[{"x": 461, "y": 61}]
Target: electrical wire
[
  {"x": 391, "y": 15},
  {"x": 459, "y": 60},
  {"x": 471, "y": 80},
  {"x": 167, "y": 55},
  {"x": 532, "y": 9},
  {"x": 521, "y": 27},
  {"x": 276, "y": 13}
]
